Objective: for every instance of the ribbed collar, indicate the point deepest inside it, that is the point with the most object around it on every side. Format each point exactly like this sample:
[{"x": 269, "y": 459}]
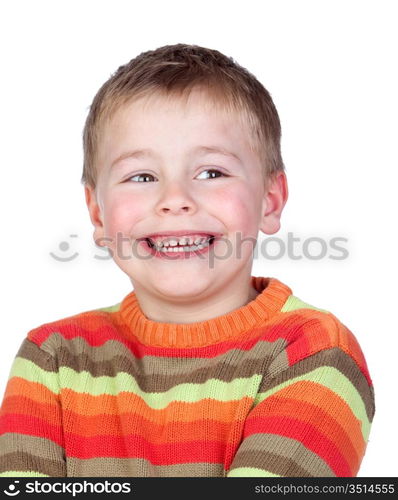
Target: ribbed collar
[{"x": 272, "y": 295}]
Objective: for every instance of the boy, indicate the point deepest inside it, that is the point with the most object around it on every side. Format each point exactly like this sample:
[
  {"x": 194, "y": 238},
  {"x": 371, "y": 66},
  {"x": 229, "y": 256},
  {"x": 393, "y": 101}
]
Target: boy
[{"x": 202, "y": 370}]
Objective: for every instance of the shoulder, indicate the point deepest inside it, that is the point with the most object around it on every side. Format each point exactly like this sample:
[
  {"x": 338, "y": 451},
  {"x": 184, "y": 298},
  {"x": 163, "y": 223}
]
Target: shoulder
[
  {"x": 311, "y": 330},
  {"x": 319, "y": 349},
  {"x": 93, "y": 326}
]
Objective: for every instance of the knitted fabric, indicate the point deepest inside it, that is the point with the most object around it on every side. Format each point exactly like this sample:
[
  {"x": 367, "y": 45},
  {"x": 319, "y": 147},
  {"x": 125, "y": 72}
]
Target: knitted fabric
[{"x": 274, "y": 388}]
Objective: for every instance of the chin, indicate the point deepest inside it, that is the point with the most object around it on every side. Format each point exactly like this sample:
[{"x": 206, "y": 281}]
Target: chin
[{"x": 181, "y": 288}]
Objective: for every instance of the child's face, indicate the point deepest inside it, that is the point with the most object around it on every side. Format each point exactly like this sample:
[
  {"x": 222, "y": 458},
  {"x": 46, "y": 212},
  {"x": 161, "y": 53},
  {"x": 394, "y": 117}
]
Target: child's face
[{"x": 170, "y": 188}]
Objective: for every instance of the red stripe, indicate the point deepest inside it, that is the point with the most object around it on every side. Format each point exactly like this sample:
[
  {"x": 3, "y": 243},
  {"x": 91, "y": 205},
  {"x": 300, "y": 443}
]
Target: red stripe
[
  {"x": 98, "y": 337},
  {"x": 137, "y": 447},
  {"x": 31, "y": 426},
  {"x": 317, "y": 336}
]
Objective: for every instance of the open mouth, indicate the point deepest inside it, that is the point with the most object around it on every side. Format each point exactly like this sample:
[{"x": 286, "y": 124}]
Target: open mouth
[{"x": 180, "y": 248}]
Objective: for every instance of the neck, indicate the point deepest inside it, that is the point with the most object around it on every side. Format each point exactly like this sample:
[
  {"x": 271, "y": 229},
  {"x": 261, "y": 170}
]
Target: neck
[{"x": 238, "y": 293}]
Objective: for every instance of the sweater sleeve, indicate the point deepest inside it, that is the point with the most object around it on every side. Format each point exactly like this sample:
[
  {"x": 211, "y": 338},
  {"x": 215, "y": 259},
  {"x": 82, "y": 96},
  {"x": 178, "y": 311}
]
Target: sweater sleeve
[
  {"x": 31, "y": 433},
  {"x": 311, "y": 418}
]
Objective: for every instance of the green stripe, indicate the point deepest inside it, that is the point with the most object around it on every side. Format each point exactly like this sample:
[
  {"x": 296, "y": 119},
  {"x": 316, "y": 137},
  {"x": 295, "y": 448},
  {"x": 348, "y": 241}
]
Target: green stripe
[
  {"x": 250, "y": 472},
  {"x": 334, "y": 380},
  {"x": 187, "y": 393},
  {"x": 294, "y": 303},
  {"x": 22, "y": 473},
  {"x": 114, "y": 308},
  {"x": 30, "y": 371}
]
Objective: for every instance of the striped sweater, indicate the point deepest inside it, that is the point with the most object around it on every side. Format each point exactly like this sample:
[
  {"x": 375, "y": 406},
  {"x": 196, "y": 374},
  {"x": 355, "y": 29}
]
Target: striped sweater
[{"x": 274, "y": 388}]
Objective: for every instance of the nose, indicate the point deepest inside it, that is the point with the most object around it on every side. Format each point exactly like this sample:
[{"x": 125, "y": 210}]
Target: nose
[{"x": 175, "y": 199}]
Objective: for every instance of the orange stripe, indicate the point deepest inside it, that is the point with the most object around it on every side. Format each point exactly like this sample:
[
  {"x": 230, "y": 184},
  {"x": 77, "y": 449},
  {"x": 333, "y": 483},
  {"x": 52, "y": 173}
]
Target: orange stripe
[
  {"x": 318, "y": 331},
  {"x": 318, "y": 341},
  {"x": 135, "y": 425},
  {"x": 327, "y": 334},
  {"x": 33, "y": 391},
  {"x": 351, "y": 346},
  {"x": 86, "y": 404},
  {"x": 26, "y": 406},
  {"x": 97, "y": 320}
]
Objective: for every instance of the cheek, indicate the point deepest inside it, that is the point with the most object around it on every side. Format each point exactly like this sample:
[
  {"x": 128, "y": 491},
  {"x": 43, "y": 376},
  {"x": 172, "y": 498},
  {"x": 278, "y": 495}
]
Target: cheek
[
  {"x": 121, "y": 214},
  {"x": 239, "y": 209}
]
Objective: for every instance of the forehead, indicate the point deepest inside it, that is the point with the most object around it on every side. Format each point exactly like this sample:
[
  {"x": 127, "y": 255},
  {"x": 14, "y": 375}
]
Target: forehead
[{"x": 177, "y": 119}]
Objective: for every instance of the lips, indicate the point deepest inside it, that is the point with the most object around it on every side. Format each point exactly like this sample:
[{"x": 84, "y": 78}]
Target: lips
[
  {"x": 178, "y": 234},
  {"x": 199, "y": 242}
]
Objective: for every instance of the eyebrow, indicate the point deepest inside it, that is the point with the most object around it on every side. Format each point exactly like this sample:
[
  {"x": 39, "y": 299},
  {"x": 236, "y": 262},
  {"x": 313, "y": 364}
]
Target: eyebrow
[{"x": 149, "y": 153}]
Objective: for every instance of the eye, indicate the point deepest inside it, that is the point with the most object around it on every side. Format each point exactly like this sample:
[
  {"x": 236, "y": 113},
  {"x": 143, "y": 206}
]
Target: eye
[
  {"x": 143, "y": 176},
  {"x": 214, "y": 170}
]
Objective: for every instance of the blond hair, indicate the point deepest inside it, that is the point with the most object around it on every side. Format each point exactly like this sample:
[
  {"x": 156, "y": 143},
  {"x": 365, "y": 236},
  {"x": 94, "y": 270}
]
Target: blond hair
[{"x": 174, "y": 71}]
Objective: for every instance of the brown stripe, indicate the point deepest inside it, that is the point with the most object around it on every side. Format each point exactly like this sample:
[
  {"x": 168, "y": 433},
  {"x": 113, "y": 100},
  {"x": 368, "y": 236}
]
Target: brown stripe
[
  {"x": 32, "y": 352},
  {"x": 286, "y": 449},
  {"x": 153, "y": 364},
  {"x": 271, "y": 462},
  {"x": 44, "y": 448},
  {"x": 335, "y": 358},
  {"x": 139, "y": 467},
  {"x": 162, "y": 375},
  {"x": 20, "y": 461},
  {"x": 279, "y": 364},
  {"x": 162, "y": 383}
]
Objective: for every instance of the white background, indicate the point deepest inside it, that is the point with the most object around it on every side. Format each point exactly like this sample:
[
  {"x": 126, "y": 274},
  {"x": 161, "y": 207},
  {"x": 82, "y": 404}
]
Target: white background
[{"x": 331, "y": 67}]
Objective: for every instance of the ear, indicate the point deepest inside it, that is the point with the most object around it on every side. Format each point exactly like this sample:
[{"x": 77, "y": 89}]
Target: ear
[
  {"x": 95, "y": 215},
  {"x": 275, "y": 198}
]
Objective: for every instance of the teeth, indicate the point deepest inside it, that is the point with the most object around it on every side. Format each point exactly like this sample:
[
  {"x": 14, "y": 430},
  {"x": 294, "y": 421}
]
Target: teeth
[
  {"x": 185, "y": 244},
  {"x": 183, "y": 241},
  {"x": 192, "y": 248}
]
